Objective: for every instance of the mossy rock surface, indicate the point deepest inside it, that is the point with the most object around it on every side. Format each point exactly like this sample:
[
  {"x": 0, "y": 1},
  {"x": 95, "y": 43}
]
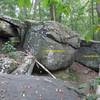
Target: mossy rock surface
[{"x": 52, "y": 43}]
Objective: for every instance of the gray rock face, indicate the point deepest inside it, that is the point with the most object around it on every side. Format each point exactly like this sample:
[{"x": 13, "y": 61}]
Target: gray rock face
[
  {"x": 89, "y": 55},
  {"x": 52, "y": 44},
  {"x": 34, "y": 88}
]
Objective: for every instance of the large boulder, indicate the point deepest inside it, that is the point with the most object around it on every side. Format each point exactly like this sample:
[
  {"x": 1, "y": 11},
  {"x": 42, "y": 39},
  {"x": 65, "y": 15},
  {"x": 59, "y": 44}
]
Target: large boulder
[
  {"x": 13, "y": 87},
  {"x": 53, "y": 44},
  {"x": 89, "y": 55}
]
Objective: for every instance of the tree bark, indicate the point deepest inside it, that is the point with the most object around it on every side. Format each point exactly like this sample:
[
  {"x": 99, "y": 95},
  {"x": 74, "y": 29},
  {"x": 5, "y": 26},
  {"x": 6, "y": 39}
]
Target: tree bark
[
  {"x": 98, "y": 8},
  {"x": 40, "y": 14},
  {"x": 97, "y": 36},
  {"x": 92, "y": 17},
  {"x": 53, "y": 12}
]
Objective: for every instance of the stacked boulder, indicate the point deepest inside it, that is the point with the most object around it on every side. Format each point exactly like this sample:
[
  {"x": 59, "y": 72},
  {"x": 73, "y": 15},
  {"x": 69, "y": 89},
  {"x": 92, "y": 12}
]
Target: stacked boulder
[{"x": 52, "y": 43}]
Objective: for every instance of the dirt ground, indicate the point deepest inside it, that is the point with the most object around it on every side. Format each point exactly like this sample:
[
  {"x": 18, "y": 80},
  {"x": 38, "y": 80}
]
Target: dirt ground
[{"x": 77, "y": 75}]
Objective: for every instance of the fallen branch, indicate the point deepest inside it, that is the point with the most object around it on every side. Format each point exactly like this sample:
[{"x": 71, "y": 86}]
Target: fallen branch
[
  {"x": 45, "y": 69},
  {"x": 93, "y": 41}
]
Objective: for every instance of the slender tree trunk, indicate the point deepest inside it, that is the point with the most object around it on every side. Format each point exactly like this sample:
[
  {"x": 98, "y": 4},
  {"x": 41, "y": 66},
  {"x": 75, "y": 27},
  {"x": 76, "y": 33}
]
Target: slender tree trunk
[
  {"x": 92, "y": 17},
  {"x": 97, "y": 37},
  {"x": 71, "y": 21},
  {"x": 53, "y": 12},
  {"x": 59, "y": 17},
  {"x": 98, "y": 9},
  {"x": 34, "y": 14},
  {"x": 40, "y": 12}
]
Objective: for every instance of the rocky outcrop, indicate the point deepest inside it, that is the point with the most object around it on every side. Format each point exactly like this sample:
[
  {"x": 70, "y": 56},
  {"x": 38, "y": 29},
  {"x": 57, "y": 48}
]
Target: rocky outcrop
[
  {"x": 53, "y": 44},
  {"x": 89, "y": 55},
  {"x": 16, "y": 63},
  {"x": 14, "y": 87},
  {"x": 26, "y": 67}
]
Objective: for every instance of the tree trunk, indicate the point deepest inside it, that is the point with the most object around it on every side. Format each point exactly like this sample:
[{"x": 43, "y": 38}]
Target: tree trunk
[
  {"x": 92, "y": 18},
  {"x": 98, "y": 8},
  {"x": 40, "y": 14},
  {"x": 59, "y": 17},
  {"x": 97, "y": 37},
  {"x": 35, "y": 10},
  {"x": 53, "y": 12}
]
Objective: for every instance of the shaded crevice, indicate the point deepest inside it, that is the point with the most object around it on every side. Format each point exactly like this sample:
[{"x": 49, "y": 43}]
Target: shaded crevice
[
  {"x": 65, "y": 43},
  {"x": 37, "y": 70}
]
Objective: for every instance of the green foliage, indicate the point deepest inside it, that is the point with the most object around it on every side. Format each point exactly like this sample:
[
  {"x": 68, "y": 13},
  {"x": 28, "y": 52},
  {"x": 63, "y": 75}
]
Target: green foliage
[
  {"x": 24, "y": 3},
  {"x": 60, "y": 7},
  {"x": 97, "y": 1},
  {"x": 79, "y": 15},
  {"x": 87, "y": 36},
  {"x": 47, "y": 3},
  {"x": 25, "y": 8},
  {"x": 8, "y": 47},
  {"x": 7, "y": 7},
  {"x": 92, "y": 84},
  {"x": 64, "y": 8},
  {"x": 73, "y": 75},
  {"x": 91, "y": 97}
]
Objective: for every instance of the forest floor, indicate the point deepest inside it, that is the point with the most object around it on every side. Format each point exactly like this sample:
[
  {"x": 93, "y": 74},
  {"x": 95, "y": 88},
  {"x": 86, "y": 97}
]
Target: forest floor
[{"x": 77, "y": 75}]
